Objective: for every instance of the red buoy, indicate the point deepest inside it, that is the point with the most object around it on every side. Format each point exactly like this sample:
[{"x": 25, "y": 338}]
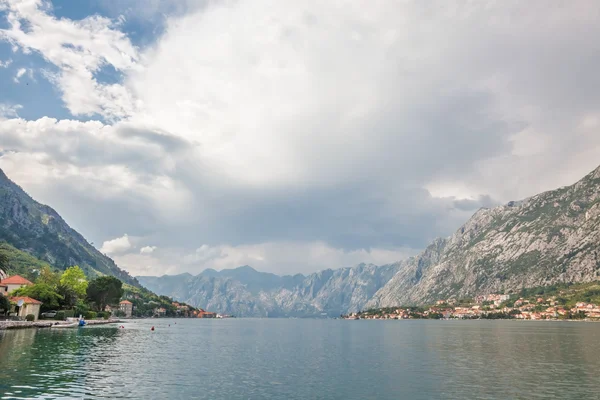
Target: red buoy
[{"x": 152, "y": 328}]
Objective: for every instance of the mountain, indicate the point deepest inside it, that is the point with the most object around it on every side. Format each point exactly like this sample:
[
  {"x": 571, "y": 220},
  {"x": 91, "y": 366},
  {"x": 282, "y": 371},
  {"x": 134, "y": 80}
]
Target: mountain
[
  {"x": 246, "y": 292},
  {"x": 38, "y": 230},
  {"x": 553, "y": 237}
]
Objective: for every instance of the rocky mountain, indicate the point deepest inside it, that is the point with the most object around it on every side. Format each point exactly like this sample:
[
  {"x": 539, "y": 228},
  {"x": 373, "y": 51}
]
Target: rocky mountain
[
  {"x": 548, "y": 238},
  {"x": 38, "y": 230},
  {"x": 246, "y": 292}
]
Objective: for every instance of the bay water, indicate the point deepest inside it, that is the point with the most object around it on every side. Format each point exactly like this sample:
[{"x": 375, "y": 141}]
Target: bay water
[{"x": 303, "y": 359}]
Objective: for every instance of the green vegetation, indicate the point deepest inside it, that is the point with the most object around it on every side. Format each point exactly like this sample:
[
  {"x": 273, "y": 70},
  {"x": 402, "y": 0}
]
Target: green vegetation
[
  {"x": 42, "y": 292},
  {"x": 4, "y": 304},
  {"x": 71, "y": 293},
  {"x": 3, "y": 261},
  {"x": 566, "y": 294},
  {"x": 74, "y": 279},
  {"x": 17, "y": 262},
  {"x": 104, "y": 291}
]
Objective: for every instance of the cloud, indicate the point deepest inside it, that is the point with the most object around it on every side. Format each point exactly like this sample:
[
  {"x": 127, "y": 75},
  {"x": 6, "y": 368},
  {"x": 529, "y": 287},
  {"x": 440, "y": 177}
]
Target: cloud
[
  {"x": 148, "y": 249},
  {"x": 19, "y": 74},
  {"x": 117, "y": 245},
  {"x": 251, "y": 126},
  {"x": 9, "y": 110},
  {"x": 5, "y": 64},
  {"x": 276, "y": 257},
  {"x": 79, "y": 50}
]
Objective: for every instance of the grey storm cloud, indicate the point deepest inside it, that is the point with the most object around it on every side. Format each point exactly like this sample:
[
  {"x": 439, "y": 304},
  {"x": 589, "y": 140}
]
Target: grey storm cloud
[{"x": 362, "y": 128}]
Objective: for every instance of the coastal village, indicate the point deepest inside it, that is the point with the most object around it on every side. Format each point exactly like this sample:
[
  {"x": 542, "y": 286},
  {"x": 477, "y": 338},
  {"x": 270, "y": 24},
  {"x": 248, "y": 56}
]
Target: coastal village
[
  {"x": 491, "y": 306},
  {"x": 25, "y": 308}
]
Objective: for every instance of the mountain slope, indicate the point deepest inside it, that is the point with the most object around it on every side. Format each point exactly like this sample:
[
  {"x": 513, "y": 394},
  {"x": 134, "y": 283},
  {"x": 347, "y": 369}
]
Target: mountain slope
[
  {"x": 549, "y": 238},
  {"x": 246, "y": 292},
  {"x": 38, "y": 230}
]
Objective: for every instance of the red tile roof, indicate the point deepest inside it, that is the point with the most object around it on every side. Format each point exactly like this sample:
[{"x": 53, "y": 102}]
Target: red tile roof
[
  {"x": 16, "y": 280},
  {"x": 125, "y": 302},
  {"x": 26, "y": 300}
]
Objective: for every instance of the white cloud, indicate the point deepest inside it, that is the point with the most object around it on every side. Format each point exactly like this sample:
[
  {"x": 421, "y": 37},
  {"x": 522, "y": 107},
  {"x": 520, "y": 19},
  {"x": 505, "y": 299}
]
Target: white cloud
[
  {"x": 276, "y": 257},
  {"x": 79, "y": 49},
  {"x": 19, "y": 74},
  {"x": 306, "y": 125},
  {"x": 117, "y": 245},
  {"x": 5, "y": 64},
  {"x": 9, "y": 110},
  {"x": 148, "y": 249}
]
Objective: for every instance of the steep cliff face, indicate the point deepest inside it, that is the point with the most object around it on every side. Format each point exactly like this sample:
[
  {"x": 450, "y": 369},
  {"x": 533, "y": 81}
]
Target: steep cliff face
[
  {"x": 246, "y": 292},
  {"x": 38, "y": 230},
  {"x": 548, "y": 238}
]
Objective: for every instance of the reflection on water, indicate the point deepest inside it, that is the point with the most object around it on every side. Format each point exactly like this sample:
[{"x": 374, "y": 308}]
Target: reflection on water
[{"x": 305, "y": 359}]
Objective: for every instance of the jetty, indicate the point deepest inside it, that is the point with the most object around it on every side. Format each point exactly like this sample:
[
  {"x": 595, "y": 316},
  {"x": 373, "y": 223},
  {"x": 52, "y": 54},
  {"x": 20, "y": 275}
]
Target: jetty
[{"x": 47, "y": 324}]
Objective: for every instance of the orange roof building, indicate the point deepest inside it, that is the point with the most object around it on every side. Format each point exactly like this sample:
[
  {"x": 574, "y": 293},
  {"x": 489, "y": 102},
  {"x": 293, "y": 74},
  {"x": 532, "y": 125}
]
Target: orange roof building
[
  {"x": 29, "y": 306},
  {"x": 13, "y": 283},
  {"x": 16, "y": 280},
  {"x": 26, "y": 300}
]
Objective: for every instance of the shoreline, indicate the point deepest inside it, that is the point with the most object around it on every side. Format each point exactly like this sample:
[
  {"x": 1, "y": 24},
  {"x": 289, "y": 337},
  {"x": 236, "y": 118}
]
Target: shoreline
[
  {"x": 471, "y": 319},
  {"x": 6, "y": 325}
]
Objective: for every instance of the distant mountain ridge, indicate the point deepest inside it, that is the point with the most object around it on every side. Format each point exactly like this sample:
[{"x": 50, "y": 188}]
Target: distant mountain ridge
[
  {"x": 39, "y": 230},
  {"x": 246, "y": 292}
]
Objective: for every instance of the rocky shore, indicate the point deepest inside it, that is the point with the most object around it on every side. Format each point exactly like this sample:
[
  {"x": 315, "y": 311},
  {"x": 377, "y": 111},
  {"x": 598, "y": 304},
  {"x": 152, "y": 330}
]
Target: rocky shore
[{"x": 48, "y": 324}]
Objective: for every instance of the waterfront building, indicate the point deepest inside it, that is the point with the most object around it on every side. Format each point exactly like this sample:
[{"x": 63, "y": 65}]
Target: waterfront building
[
  {"x": 30, "y": 306},
  {"x": 206, "y": 314},
  {"x": 126, "y": 307},
  {"x": 13, "y": 283}
]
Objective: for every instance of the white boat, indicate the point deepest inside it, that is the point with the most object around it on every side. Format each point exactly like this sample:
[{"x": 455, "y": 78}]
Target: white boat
[{"x": 73, "y": 325}]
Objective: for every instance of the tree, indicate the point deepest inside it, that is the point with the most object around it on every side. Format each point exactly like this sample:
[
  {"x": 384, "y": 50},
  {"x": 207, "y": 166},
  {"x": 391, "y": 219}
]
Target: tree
[
  {"x": 42, "y": 292},
  {"x": 4, "y": 304},
  {"x": 69, "y": 296},
  {"x": 48, "y": 277},
  {"x": 74, "y": 279},
  {"x": 105, "y": 290},
  {"x": 4, "y": 260}
]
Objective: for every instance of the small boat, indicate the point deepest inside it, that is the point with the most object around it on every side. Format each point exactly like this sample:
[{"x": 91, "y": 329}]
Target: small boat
[{"x": 73, "y": 325}]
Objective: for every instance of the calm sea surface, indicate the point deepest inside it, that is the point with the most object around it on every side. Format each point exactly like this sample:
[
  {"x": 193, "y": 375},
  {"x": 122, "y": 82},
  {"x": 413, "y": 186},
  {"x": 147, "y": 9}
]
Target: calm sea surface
[{"x": 304, "y": 359}]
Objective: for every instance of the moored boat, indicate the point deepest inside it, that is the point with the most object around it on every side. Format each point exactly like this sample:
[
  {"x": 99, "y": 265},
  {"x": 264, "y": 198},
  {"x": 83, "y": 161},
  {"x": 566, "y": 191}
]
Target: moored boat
[{"x": 72, "y": 325}]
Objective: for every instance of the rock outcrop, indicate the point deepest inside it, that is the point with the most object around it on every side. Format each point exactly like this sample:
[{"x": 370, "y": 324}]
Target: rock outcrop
[
  {"x": 40, "y": 231},
  {"x": 548, "y": 238}
]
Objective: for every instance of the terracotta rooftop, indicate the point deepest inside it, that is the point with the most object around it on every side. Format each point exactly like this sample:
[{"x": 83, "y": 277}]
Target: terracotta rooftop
[
  {"x": 125, "y": 302},
  {"x": 16, "y": 280},
  {"x": 26, "y": 300}
]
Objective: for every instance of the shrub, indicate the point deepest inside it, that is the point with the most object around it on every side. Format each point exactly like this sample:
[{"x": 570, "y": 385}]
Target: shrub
[
  {"x": 30, "y": 317},
  {"x": 90, "y": 315},
  {"x": 60, "y": 316},
  {"x": 69, "y": 313},
  {"x": 81, "y": 308}
]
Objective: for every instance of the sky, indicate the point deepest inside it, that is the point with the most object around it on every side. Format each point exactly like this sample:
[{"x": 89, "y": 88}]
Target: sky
[{"x": 180, "y": 135}]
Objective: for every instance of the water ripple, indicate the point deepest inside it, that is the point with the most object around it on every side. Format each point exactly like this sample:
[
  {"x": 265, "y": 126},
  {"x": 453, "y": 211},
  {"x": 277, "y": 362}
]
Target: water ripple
[{"x": 303, "y": 359}]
